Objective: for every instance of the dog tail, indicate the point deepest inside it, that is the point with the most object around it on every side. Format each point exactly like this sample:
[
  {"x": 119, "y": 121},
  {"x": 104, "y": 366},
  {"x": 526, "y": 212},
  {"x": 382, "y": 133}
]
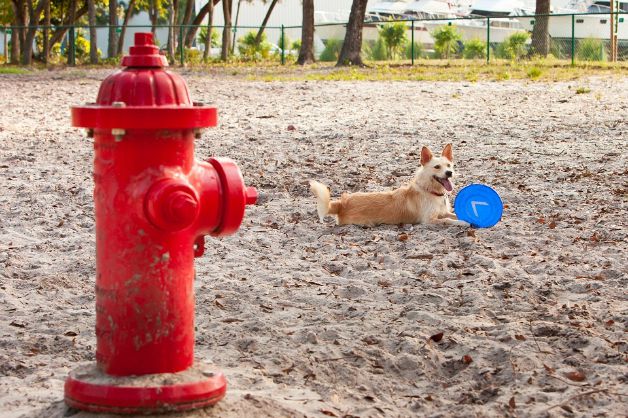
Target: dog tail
[{"x": 322, "y": 194}]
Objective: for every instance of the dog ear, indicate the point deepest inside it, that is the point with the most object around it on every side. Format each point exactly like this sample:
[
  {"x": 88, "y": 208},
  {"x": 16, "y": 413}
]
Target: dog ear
[
  {"x": 447, "y": 153},
  {"x": 426, "y": 155}
]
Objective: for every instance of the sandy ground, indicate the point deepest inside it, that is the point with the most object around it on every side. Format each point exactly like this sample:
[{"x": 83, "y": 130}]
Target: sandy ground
[{"x": 311, "y": 319}]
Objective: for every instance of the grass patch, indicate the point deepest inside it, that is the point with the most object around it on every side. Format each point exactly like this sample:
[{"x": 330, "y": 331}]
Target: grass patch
[
  {"x": 583, "y": 90},
  {"x": 13, "y": 70},
  {"x": 534, "y": 73}
]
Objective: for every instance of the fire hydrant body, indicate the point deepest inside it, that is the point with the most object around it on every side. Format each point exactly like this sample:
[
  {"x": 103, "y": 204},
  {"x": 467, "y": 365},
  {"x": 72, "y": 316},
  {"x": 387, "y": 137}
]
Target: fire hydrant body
[{"x": 154, "y": 203}]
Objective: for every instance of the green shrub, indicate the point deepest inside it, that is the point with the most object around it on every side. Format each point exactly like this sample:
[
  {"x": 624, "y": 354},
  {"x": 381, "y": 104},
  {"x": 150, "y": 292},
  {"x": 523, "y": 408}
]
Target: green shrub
[
  {"x": 446, "y": 41},
  {"x": 215, "y": 39},
  {"x": 252, "y": 51},
  {"x": 514, "y": 47},
  {"x": 394, "y": 37},
  {"x": 192, "y": 56},
  {"x": 296, "y": 45},
  {"x": 474, "y": 48},
  {"x": 331, "y": 51},
  {"x": 590, "y": 49},
  {"x": 534, "y": 73},
  {"x": 418, "y": 50},
  {"x": 379, "y": 51},
  {"x": 81, "y": 45}
]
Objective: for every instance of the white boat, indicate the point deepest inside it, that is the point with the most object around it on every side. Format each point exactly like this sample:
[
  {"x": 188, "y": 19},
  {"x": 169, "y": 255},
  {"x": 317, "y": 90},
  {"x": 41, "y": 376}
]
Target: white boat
[
  {"x": 333, "y": 25},
  {"x": 595, "y": 26},
  {"x": 502, "y": 21}
]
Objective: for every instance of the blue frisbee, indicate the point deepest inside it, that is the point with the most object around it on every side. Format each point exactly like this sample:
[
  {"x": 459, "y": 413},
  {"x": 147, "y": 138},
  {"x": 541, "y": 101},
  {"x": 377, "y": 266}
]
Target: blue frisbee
[{"x": 479, "y": 205}]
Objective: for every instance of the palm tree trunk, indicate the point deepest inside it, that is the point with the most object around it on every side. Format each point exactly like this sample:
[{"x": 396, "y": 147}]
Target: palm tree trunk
[
  {"x": 306, "y": 53},
  {"x": 72, "y": 20},
  {"x": 113, "y": 23},
  {"x": 260, "y": 32},
  {"x": 172, "y": 33},
  {"x": 93, "y": 42},
  {"x": 540, "y": 32},
  {"x": 198, "y": 19},
  {"x": 352, "y": 45},
  {"x": 125, "y": 22},
  {"x": 153, "y": 12},
  {"x": 226, "y": 31},
  {"x": 46, "y": 51},
  {"x": 208, "y": 40}
]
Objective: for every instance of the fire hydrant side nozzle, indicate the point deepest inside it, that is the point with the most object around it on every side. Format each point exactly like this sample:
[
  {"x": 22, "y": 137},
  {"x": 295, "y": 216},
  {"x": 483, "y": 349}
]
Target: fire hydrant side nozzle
[{"x": 154, "y": 203}]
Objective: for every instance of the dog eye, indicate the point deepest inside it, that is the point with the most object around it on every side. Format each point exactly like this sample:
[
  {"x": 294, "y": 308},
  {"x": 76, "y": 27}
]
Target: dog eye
[
  {"x": 437, "y": 167},
  {"x": 448, "y": 165}
]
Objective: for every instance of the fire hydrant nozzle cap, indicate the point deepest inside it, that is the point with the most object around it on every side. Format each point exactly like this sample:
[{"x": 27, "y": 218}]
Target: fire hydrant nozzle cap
[
  {"x": 171, "y": 205},
  {"x": 144, "y": 53}
]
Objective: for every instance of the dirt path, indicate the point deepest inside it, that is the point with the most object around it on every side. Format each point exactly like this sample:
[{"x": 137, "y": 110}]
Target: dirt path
[{"x": 318, "y": 320}]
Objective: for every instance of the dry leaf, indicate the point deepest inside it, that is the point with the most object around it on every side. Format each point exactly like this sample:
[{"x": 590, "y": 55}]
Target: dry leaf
[
  {"x": 576, "y": 376},
  {"x": 292, "y": 128},
  {"x": 220, "y": 305},
  {"x": 17, "y": 324},
  {"x": 437, "y": 337},
  {"x": 549, "y": 369},
  {"x": 567, "y": 408},
  {"x": 595, "y": 237},
  {"x": 403, "y": 236},
  {"x": 511, "y": 403},
  {"x": 466, "y": 359},
  {"x": 552, "y": 225},
  {"x": 520, "y": 337},
  {"x": 328, "y": 413},
  {"x": 70, "y": 334},
  {"x": 541, "y": 220},
  {"x": 471, "y": 233},
  {"x": 609, "y": 322}
]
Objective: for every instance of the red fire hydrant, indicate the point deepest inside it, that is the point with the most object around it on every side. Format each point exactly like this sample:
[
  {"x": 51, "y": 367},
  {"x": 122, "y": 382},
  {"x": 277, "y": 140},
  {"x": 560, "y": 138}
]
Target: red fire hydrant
[{"x": 154, "y": 203}]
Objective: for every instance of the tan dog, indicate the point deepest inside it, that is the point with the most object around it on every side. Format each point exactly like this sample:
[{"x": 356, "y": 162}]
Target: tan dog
[{"x": 423, "y": 200}]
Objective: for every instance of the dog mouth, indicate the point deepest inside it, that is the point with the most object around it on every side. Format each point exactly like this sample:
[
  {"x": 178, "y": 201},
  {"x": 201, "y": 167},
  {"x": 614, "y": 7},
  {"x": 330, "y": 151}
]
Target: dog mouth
[{"x": 446, "y": 183}]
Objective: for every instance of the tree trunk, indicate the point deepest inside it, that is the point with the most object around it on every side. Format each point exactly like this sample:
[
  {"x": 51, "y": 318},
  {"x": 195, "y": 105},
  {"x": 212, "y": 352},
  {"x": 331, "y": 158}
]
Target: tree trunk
[
  {"x": 187, "y": 17},
  {"x": 226, "y": 31},
  {"x": 58, "y": 34},
  {"x": 235, "y": 29},
  {"x": 46, "y": 51},
  {"x": 306, "y": 53},
  {"x": 172, "y": 32},
  {"x": 15, "y": 35},
  {"x": 93, "y": 42},
  {"x": 125, "y": 22},
  {"x": 540, "y": 32},
  {"x": 113, "y": 23},
  {"x": 153, "y": 13},
  {"x": 33, "y": 17},
  {"x": 352, "y": 45},
  {"x": 260, "y": 32},
  {"x": 208, "y": 40},
  {"x": 72, "y": 19},
  {"x": 198, "y": 19}
]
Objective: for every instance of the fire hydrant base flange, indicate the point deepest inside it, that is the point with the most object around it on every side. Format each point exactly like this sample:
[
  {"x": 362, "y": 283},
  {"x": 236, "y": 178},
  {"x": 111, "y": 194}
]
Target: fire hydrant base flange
[{"x": 89, "y": 389}]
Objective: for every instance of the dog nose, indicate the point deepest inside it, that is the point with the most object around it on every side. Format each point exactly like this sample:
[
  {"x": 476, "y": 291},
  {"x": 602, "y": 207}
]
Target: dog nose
[{"x": 448, "y": 174}]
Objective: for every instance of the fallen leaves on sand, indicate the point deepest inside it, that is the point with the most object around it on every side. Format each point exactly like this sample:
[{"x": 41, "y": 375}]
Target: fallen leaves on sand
[
  {"x": 467, "y": 359},
  {"x": 17, "y": 324},
  {"x": 576, "y": 376},
  {"x": 70, "y": 334},
  {"x": 520, "y": 337},
  {"x": 437, "y": 337},
  {"x": 511, "y": 403},
  {"x": 403, "y": 236}
]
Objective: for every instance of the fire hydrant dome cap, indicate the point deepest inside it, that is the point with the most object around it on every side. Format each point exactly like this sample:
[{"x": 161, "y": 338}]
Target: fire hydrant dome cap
[{"x": 144, "y": 53}]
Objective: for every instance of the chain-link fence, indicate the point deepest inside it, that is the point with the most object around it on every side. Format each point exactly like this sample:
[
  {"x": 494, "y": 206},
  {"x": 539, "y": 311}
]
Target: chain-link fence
[{"x": 565, "y": 37}]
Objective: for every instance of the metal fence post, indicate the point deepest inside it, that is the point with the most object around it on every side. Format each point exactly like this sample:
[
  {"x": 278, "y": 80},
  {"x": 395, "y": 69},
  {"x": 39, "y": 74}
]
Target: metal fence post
[
  {"x": 573, "y": 40},
  {"x": 72, "y": 47},
  {"x": 181, "y": 55},
  {"x": 412, "y": 44},
  {"x": 283, "y": 56},
  {"x": 488, "y": 40}
]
